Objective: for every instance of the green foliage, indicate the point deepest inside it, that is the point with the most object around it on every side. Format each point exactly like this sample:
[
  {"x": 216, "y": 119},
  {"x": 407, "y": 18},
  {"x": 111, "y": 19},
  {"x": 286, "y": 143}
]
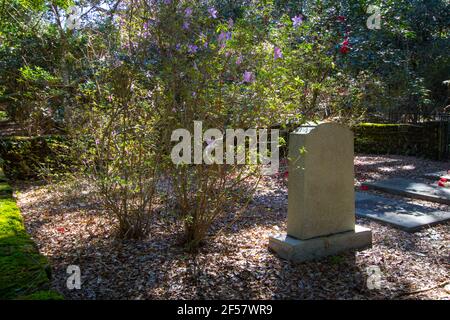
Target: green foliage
[
  {"x": 402, "y": 66},
  {"x": 3, "y": 116},
  {"x": 36, "y": 157},
  {"x": 41, "y": 5},
  {"x": 38, "y": 99},
  {"x": 36, "y": 74},
  {"x": 402, "y": 139},
  {"x": 36, "y": 63},
  {"x": 5, "y": 189}
]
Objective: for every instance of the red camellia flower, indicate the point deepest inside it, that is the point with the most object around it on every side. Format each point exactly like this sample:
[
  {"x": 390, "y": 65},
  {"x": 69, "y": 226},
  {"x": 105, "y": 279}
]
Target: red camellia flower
[
  {"x": 364, "y": 188},
  {"x": 344, "y": 50},
  {"x": 441, "y": 184},
  {"x": 286, "y": 174},
  {"x": 345, "y": 46},
  {"x": 341, "y": 18},
  {"x": 443, "y": 180}
]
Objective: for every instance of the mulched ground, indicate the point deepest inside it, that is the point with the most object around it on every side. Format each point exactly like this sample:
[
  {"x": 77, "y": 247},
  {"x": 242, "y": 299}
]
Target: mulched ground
[{"x": 70, "y": 230}]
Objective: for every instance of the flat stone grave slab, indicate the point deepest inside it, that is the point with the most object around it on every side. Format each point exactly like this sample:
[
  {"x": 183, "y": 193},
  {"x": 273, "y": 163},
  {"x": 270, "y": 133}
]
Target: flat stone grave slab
[
  {"x": 437, "y": 175},
  {"x": 412, "y": 189},
  {"x": 398, "y": 213}
]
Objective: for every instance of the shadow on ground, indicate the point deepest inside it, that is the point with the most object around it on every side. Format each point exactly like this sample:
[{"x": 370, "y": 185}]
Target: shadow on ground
[{"x": 235, "y": 264}]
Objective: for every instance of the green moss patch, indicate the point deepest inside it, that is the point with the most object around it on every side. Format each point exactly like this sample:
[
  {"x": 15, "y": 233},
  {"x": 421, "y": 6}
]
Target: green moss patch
[
  {"x": 24, "y": 273},
  {"x": 43, "y": 295}
]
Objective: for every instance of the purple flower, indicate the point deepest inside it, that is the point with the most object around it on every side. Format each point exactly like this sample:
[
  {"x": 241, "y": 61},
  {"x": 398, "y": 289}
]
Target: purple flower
[
  {"x": 277, "y": 54},
  {"x": 192, "y": 48},
  {"x": 239, "y": 60},
  {"x": 230, "y": 23},
  {"x": 297, "y": 20},
  {"x": 248, "y": 76},
  {"x": 186, "y": 25},
  {"x": 212, "y": 12},
  {"x": 206, "y": 44},
  {"x": 167, "y": 1},
  {"x": 188, "y": 12},
  {"x": 223, "y": 37},
  {"x": 150, "y": 22}
]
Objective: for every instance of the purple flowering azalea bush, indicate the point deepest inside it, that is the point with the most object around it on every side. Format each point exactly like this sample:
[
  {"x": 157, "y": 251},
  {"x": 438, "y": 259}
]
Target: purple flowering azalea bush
[
  {"x": 167, "y": 65},
  {"x": 162, "y": 65}
]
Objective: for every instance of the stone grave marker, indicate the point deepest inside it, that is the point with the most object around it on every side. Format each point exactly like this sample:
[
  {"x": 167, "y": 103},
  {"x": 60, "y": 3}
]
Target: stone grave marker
[
  {"x": 412, "y": 189},
  {"x": 398, "y": 213},
  {"x": 321, "y": 195}
]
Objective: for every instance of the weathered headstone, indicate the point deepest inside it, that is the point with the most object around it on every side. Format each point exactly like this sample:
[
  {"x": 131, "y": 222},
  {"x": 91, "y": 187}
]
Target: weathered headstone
[{"x": 321, "y": 196}]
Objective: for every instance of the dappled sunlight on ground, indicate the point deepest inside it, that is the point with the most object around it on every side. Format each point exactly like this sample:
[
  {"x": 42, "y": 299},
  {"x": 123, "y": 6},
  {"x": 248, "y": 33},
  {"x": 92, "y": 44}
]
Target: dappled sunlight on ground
[{"x": 70, "y": 229}]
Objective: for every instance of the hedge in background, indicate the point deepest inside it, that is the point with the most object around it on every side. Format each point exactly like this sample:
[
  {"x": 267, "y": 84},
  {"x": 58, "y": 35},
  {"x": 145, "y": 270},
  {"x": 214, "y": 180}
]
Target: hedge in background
[
  {"x": 425, "y": 139},
  {"x": 24, "y": 273},
  {"x": 34, "y": 157}
]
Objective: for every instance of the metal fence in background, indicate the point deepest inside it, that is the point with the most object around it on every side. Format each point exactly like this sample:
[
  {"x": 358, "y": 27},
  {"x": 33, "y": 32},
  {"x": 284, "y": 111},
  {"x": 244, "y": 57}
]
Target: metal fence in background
[{"x": 417, "y": 117}]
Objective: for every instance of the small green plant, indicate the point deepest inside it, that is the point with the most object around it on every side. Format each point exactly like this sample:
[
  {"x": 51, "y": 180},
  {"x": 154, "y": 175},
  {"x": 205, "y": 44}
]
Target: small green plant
[
  {"x": 3, "y": 116},
  {"x": 337, "y": 260}
]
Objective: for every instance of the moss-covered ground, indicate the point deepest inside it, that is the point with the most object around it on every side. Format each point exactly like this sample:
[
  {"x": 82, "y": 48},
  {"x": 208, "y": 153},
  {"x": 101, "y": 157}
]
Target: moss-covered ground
[{"x": 24, "y": 273}]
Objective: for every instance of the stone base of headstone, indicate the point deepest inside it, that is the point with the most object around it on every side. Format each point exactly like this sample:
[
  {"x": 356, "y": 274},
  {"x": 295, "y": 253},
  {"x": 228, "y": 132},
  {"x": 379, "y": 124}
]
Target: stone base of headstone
[{"x": 296, "y": 250}]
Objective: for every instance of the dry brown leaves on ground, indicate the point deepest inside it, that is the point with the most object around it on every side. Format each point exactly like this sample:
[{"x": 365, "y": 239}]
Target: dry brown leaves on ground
[{"x": 71, "y": 230}]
